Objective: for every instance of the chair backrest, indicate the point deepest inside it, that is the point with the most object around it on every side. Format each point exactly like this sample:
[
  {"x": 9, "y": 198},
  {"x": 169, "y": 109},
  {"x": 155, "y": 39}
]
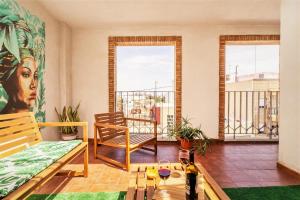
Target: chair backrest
[
  {"x": 113, "y": 118},
  {"x": 17, "y": 132}
]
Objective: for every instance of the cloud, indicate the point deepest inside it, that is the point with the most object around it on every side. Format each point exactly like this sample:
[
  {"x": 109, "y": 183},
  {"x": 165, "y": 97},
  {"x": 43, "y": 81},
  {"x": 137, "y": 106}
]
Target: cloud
[{"x": 138, "y": 68}]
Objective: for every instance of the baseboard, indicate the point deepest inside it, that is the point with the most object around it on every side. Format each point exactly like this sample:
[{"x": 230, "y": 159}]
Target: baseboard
[
  {"x": 251, "y": 142},
  {"x": 285, "y": 167}
]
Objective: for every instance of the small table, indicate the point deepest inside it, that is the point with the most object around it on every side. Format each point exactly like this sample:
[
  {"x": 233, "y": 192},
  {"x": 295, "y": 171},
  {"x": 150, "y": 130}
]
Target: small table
[{"x": 174, "y": 187}]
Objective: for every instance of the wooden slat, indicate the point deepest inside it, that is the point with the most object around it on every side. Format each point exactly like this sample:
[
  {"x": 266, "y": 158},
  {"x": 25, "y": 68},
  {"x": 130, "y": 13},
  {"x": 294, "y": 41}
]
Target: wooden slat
[
  {"x": 110, "y": 126},
  {"x": 134, "y": 168},
  {"x": 14, "y": 136},
  {"x": 212, "y": 183},
  {"x": 105, "y": 132},
  {"x": 111, "y": 161},
  {"x": 15, "y": 116},
  {"x": 141, "y": 185},
  {"x": 111, "y": 136},
  {"x": 134, "y": 139},
  {"x": 27, "y": 141},
  {"x": 12, "y": 151},
  {"x": 18, "y": 131},
  {"x": 59, "y": 124},
  {"x": 150, "y": 188},
  {"x": 210, "y": 192},
  {"x": 34, "y": 142},
  {"x": 131, "y": 193},
  {"x": 14, "y": 129},
  {"x": 15, "y": 122}
]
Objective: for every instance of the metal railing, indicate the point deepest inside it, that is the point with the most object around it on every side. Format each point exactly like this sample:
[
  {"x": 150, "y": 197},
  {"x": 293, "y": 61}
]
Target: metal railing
[
  {"x": 252, "y": 113},
  {"x": 154, "y": 105}
]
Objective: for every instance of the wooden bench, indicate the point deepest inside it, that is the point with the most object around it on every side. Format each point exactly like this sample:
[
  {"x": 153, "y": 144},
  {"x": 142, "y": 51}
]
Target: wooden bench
[{"x": 20, "y": 131}]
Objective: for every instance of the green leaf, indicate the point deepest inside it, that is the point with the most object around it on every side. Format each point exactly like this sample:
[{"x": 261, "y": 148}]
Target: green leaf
[
  {"x": 11, "y": 42},
  {"x": 68, "y": 115},
  {"x": 3, "y": 97},
  {"x": 2, "y": 36}
]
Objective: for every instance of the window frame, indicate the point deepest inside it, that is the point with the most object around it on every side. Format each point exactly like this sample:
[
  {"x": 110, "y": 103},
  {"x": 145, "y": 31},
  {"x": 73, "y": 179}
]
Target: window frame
[
  {"x": 238, "y": 40},
  {"x": 114, "y": 41}
]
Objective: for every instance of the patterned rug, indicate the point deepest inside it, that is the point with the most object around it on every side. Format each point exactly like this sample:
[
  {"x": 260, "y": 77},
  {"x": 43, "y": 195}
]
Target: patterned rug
[{"x": 80, "y": 196}]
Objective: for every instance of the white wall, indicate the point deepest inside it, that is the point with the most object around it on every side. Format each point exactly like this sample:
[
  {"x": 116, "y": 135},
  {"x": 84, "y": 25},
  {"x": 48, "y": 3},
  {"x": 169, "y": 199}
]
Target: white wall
[
  {"x": 289, "y": 140},
  {"x": 55, "y": 59},
  {"x": 65, "y": 65},
  {"x": 200, "y": 67}
]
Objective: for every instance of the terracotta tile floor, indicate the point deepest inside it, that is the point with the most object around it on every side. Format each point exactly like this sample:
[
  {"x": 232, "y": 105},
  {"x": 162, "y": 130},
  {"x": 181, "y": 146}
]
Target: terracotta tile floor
[
  {"x": 246, "y": 165},
  {"x": 230, "y": 164}
]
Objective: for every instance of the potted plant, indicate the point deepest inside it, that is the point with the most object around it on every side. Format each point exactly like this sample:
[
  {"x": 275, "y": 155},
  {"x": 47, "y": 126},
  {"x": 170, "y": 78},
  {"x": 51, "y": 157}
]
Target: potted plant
[
  {"x": 68, "y": 114},
  {"x": 190, "y": 137}
]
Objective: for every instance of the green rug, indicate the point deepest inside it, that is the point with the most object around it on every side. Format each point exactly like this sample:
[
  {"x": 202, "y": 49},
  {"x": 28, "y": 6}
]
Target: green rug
[
  {"x": 80, "y": 196},
  {"x": 264, "y": 193}
]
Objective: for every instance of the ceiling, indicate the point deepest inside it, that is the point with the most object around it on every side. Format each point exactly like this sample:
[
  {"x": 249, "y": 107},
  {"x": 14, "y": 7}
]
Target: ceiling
[{"x": 97, "y": 13}]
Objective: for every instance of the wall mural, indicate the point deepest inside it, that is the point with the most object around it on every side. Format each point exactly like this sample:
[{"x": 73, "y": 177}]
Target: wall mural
[{"x": 22, "y": 61}]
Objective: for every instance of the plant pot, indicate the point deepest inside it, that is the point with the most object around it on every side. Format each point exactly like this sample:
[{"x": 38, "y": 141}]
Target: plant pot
[
  {"x": 186, "y": 144},
  {"x": 72, "y": 136}
]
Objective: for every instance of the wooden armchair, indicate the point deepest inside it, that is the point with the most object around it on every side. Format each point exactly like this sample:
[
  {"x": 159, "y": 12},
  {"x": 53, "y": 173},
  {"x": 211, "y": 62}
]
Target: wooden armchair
[{"x": 110, "y": 129}]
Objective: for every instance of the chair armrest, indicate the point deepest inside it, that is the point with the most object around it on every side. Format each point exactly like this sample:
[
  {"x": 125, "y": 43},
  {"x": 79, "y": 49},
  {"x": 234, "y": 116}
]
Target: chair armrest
[
  {"x": 53, "y": 124},
  {"x": 84, "y": 125},
  {"x": 103, "y": 125},
  {"x": 142, "y": 120}
]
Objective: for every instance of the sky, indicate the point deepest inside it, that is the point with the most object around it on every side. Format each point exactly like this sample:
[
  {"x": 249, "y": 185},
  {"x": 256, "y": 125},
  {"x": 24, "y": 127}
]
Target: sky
[
  {"x": 252, "y": 59},
  {"x": 139, "y": 66}
]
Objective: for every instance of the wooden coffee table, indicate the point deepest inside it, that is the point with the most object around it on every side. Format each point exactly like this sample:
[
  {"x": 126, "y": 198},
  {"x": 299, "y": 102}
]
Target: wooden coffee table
[{"x": 174, "y": 188}]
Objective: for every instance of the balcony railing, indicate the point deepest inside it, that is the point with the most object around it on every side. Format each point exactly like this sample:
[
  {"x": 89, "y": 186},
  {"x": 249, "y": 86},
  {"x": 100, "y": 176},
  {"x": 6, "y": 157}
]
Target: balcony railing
[
  {"x": 154, "y": 105},
  {"x": 251, "y": 114}
]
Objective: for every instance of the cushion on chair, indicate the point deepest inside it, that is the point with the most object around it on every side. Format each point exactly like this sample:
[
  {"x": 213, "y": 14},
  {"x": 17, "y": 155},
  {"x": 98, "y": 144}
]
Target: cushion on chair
[
  {"x": 135, "y": 139},
  {"x": 18, "y": 168}
]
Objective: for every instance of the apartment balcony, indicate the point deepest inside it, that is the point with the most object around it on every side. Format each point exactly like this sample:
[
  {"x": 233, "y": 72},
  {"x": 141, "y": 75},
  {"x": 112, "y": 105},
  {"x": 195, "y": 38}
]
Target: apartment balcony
[
  {"x": 251, "y": 115},
  {"x": 154, "y": 105}
]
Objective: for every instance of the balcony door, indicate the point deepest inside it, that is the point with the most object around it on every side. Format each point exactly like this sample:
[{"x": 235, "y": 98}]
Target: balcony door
[
  {"x": 249, "y": 87},
  {"x": 145, "y": 81}
]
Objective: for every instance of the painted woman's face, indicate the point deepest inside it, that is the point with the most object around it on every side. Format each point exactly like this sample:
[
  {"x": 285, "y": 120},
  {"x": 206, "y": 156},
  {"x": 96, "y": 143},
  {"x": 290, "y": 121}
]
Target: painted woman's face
[{"x": 27, "y": 80}]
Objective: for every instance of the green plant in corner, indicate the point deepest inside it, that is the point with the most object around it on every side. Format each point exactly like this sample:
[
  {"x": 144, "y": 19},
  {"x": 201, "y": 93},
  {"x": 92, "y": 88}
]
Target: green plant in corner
[
  {"x": 190, "y": 136},
  {"x": 68, "y": 114}
]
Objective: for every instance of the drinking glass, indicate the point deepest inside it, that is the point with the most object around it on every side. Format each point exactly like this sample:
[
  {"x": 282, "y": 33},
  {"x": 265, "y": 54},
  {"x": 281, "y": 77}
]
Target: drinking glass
[{"x": 164, "y": 169}]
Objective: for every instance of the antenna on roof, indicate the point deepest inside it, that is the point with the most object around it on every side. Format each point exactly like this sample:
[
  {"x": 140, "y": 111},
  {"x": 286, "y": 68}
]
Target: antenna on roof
[{"x": 236, "y": 73}]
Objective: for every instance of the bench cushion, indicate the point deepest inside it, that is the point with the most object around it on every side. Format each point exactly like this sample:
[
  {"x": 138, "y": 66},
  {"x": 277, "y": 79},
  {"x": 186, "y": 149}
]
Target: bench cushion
[{"x": 18, "y": 168}]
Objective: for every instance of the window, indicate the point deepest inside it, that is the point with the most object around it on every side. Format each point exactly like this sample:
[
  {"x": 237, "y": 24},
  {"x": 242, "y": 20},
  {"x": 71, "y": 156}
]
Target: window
[{"x": 248, "y": 85}]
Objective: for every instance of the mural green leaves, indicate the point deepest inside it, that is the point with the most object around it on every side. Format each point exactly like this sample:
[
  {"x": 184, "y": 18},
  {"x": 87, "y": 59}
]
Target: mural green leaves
[{"x": 22, "y": 60}]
